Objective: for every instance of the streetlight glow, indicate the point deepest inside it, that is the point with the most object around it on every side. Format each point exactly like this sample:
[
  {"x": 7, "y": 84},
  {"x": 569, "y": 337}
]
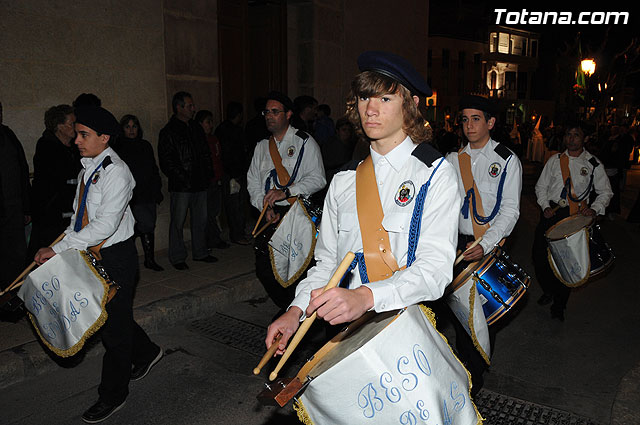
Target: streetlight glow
[{"x": 588, "y": 66}]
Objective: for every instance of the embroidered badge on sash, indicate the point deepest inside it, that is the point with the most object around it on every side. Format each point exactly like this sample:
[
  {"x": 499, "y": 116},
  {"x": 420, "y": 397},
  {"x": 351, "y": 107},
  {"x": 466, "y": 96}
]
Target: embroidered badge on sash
[
  {"x": 96, "y": 176},
  {"x": 291, "y": 150},
  {"x": 584, "y": 171},
  {"x": 405, "y": 193},
  {"x": 494, "y": 169}
]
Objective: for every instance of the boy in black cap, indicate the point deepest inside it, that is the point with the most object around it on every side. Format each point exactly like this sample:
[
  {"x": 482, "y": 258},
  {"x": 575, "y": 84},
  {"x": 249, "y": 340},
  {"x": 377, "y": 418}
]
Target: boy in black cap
[
  {"x": 103, "y": 221},
  {"x": 490, "y": 181},
  {"x": 393, "y": 209}
]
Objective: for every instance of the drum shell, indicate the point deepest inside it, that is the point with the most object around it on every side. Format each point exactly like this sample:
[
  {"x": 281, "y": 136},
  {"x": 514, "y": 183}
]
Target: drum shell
[{"x": 499, "y": 281}]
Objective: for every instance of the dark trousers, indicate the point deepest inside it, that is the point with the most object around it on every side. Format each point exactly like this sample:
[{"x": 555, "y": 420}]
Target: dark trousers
[
  {"x": 124, "y": 340},
  {"x": 236, "y": 208},
  {"x": 546, "y": 278},
  {"x": 13, "y": 244},
  {"x": 145, "y": 214},
  {"x": 214, "y": 207}
]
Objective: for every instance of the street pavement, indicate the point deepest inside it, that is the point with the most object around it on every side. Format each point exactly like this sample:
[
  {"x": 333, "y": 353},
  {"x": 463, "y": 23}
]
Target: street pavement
[{"x": 588, "y": 365}]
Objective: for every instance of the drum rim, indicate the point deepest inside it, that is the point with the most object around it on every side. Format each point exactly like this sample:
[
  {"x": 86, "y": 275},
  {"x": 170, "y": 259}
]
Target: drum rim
[
  {"x": 477, "y": 266},
  {"x": 567, "y": 219}
]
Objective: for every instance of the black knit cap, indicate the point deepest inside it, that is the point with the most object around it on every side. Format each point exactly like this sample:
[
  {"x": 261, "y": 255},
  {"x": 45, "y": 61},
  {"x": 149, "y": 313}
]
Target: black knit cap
[
  {"x": 395, "y": 67},
  {"x": 98, "y": 119},
  {"x": 480, "y": 103},
  {"x": 282, "y": 98}
]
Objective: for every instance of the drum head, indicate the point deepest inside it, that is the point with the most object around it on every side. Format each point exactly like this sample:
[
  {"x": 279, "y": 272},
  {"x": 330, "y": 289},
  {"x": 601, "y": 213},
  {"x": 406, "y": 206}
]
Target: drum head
[
  {"x": 568, "y": 226},
  {"x": 353, "y": 342}
]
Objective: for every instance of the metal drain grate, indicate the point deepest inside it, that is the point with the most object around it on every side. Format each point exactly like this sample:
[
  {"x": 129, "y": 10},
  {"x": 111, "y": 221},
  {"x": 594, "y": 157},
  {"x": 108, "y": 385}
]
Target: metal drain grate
[
  {"x": 500, "y": 409},
  {"x": 497, "y": 409},
  {"x": 233, "y": 332}
]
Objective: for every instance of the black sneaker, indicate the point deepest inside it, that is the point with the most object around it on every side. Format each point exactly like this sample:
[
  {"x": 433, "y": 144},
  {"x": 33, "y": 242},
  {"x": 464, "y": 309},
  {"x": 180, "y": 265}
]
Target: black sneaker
[
  {"x": 181, "y": 266},
  {"x": 139, "y": 372},
  {"x": 100, "y": 411}
]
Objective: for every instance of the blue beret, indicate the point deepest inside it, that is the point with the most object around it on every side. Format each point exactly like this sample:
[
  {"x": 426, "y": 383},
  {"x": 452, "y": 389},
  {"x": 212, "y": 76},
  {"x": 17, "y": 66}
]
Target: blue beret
[
  {"x": 282, "y": 98},
  {"x": 98, "y": 119},
  {"x": 395, "y": 67},
  {"x": 480, "y": 103}
]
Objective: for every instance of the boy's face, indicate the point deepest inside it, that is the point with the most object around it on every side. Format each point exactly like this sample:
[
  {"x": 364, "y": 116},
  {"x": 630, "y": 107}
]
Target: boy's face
[
  {"x": 382, "y": 117},
  {"x": 475, "y": 127}
]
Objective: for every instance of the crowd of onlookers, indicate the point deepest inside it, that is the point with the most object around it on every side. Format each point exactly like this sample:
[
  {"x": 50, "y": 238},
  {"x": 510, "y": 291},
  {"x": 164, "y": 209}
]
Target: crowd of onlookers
[{"x": 209, "y": 181}]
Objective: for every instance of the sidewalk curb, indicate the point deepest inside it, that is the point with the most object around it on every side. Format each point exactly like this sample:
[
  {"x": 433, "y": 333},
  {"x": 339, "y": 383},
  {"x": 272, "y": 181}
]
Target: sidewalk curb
[{"x": 32, "y": 359}]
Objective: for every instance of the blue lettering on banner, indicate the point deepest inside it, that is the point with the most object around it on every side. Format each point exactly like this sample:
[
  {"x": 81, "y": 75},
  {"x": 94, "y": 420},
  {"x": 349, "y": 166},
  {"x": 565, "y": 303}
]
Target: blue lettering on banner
[
  {"x": 292, "y": 251},
  {"x": 56, "y": 323},
  {"x": 409, "y": 370}
]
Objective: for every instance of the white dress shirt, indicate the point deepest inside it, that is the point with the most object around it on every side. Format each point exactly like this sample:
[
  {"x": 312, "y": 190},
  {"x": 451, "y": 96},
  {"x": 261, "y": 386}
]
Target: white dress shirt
[
  {"x": 432, "y": 270},
  {"x": 487, "y": 167},
  {"x": 310, "y": 177},
  {"x": 107, "y": 205},
  {"x": 550, "y": 184}
]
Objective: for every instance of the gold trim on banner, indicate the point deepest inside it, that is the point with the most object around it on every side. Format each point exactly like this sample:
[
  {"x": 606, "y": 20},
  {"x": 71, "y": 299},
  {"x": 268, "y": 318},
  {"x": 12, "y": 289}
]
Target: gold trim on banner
[
  {"x": 304, "y": 266},
  {"x": 100, "y": 321},
  {"x": 472, "y": 301}
]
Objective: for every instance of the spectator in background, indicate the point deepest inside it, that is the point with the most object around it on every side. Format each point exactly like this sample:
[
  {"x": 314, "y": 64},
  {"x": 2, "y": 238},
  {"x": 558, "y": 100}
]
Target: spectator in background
[
  {"x": 137, "y": 153},
  {"x": 305, "y": 113},
  {"x": 325, "y": 128},
  {"x": 235, "y": 160},
  {"x": 255, "y": 129},
  {"x": 214, "y": 192},
  {"x": 56, "y": 165},
  {"x": 337, "y": 150},
  {"x": 15, "y": 205},
  {"x": 184, "y": 158}
]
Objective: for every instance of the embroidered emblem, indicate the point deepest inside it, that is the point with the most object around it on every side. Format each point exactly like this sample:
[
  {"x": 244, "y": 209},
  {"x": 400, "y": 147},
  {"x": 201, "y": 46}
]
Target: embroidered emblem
[
  {"x": 96, "y": 176},
  {"x": 405, "y": 193},
  {"x": 494, "y": 169},
  {"x": 291, "y": 150},
  {"x": 584, "y": 171}
]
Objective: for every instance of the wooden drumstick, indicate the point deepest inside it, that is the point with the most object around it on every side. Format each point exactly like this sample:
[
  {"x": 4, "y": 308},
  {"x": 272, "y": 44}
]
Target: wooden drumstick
[
  {"x": 304, "y": 327},
  {"x": 561, "y": 204},
  {"x": 264, "y": 209},
  {"x": 270, "y": 352},
  {"x": 267, "y": 224},
  {"x": 26, "y": 271},
  {"x": 461, "y": 257}
]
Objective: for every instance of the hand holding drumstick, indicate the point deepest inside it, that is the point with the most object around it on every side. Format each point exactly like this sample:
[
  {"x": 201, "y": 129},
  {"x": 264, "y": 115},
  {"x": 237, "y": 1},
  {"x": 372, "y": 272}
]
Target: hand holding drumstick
[{"x": 473, "y": 252}]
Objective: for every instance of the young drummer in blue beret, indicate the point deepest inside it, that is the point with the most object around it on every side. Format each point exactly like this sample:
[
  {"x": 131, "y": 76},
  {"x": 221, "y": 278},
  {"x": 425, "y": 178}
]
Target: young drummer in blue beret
[{"x": 405, "y": 178}]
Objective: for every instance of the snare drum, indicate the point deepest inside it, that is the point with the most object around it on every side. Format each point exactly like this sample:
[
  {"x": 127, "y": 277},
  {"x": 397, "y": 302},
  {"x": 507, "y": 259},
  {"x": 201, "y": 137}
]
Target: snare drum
[
  {"x": 499, "y": 281},
  {"x": 66, "y": 298},
  {"x": 577, "y": 250},
  {"x": 393, "y": 368}
]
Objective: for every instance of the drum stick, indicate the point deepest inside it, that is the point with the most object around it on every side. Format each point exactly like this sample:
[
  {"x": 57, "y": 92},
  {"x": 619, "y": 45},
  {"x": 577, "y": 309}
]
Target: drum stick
[
  {"x": 26, "y": 271},
  {"x": 304, "y": 327},
  {"x": 561, "y": 204},
  {"x": 264, "y": 209},
  {"x": 461, "y": 257},
  {"x": 270, "y": 352},
  {"x": 267, "y": 224}
]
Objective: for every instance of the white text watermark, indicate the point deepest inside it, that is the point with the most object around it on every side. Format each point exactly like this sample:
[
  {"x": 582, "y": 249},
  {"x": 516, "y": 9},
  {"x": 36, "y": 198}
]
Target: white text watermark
[{"x": 525, "y": 17}]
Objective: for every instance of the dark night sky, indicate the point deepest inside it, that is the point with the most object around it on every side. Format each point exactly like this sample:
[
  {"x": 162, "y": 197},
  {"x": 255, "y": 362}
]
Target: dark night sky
[{"x": 470, "y": 20}]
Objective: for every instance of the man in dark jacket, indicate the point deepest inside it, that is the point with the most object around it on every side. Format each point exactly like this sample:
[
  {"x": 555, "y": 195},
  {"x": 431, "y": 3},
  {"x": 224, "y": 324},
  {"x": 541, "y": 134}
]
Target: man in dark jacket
[
  {"x": 184, "y": 158},
  {"x": 14, "y": 204}
]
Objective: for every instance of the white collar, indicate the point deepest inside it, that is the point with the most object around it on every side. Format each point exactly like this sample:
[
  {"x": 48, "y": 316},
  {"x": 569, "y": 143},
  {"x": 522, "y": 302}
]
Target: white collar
[{"x": 398, "y": 156}]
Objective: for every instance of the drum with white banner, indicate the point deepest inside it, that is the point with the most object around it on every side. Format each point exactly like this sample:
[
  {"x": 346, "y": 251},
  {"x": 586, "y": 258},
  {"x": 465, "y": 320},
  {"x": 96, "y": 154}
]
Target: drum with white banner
[
  {"x": 395, "y": 368},
  {"x": 577, "y": 250},
  {"x": 292, "y": 244},
  {"x": 65, "y": 298}
]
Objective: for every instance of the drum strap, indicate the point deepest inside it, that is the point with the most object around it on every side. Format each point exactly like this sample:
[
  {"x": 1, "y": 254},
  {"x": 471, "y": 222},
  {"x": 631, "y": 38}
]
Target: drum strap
[
  {"x": 83, "y": 218},
  {"x": 280, "y": 174},
  {"x": 574, "y": 206},
  {"x": 379, "y": 260},
  {"x": 471, "y": 189}
]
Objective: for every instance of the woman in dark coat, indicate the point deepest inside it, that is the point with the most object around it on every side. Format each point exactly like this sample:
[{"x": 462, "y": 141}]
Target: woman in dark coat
[
  {"x": 138, "y": 155},
  {"x": 56, "y": 165}
]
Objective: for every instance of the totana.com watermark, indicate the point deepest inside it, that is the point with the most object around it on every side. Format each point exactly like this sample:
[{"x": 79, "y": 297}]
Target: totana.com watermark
[{"x": 525, "y": 17}]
